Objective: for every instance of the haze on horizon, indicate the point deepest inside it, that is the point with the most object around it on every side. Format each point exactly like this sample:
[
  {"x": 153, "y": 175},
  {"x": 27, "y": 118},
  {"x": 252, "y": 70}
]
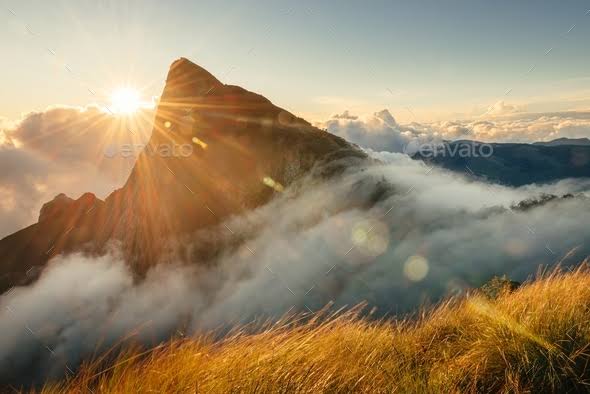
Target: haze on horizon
[{"x": 314, "y": 59}]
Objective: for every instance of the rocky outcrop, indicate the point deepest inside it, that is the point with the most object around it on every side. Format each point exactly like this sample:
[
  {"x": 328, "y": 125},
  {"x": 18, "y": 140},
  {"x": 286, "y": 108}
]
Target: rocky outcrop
[{"x": 216, "y": 150}]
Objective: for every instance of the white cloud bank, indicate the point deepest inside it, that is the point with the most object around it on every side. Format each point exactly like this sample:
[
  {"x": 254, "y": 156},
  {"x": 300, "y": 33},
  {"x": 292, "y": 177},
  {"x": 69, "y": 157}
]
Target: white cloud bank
[{"x": 381, "y": 132}]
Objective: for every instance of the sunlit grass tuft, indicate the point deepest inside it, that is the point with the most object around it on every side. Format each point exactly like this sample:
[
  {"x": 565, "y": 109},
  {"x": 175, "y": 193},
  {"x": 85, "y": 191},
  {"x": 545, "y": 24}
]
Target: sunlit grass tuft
[{"x": 530, "y": 340}]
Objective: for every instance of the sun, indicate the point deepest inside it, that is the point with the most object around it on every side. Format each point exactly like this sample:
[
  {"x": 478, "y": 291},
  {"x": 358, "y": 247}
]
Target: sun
[{"x": 125, "y": 101}]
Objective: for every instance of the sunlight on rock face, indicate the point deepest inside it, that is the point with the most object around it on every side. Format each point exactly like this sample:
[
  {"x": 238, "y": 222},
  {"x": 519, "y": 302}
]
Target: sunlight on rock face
[
  {"x": 285, "y": 118},
  {"x": 416, "y": 268},
  {"x": 370, "y": 237},
  {"x": 268, "y": 181}
]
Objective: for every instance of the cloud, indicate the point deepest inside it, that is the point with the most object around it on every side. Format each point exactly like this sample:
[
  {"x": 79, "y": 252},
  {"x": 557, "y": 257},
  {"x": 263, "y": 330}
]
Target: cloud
[
  {"x": 379, "y": 131},
  {"x": 506, "y": 123},
  {"x": 345, "y": 115},
  {"x": 503, "y": 108},
  {"x": 62, "y": 149},
  {"x": 350, "y": 238},
  {"x": 524, "y": 127}
]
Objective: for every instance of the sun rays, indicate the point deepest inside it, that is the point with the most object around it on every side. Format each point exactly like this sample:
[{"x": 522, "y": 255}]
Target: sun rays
[{"x": 125, "y": 100}]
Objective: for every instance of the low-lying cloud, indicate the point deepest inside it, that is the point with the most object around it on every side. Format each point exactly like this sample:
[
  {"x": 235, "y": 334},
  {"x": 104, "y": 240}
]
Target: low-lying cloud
[
  {"x": 394, "y": 234},
  {"x": 62, "y": 150}
]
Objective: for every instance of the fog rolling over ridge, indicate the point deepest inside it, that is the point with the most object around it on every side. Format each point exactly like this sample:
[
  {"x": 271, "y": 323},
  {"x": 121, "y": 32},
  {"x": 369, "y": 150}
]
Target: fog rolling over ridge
[{"x": 394, "y": 233}]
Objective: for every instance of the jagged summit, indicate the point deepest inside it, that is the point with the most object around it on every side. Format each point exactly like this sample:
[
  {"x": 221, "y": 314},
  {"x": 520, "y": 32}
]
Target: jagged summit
[
  {"x": 62, "y": 203},
  {"x": 185, "y": 78},
  {"x": 212, "y": 150}
]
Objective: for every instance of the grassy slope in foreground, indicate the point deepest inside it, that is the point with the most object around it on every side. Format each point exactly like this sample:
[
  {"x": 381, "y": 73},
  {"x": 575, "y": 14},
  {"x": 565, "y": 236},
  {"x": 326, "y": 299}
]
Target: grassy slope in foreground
[{"x": 533, "y": 339}]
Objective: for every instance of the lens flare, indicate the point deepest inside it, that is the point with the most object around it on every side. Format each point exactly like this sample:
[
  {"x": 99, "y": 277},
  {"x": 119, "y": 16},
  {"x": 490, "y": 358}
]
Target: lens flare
[
  {"x": 268, "y": 181},
  {"x": 200, "y": 142},
  {"x": 416, "y": 268},
  {"x": 370, "y": 237}
]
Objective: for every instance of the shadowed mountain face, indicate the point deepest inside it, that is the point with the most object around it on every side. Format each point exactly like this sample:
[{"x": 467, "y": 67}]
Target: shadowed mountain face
[
  {"x": 215, "y": 150},
  {"x": 513, "y": 164}
]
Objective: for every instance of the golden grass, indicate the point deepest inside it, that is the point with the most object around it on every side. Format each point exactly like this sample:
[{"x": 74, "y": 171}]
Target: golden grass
[{"x": 534, "y": 339}]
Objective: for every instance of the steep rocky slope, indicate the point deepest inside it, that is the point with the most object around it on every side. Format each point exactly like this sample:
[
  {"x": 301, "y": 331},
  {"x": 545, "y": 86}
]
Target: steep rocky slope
[{"x": 215, "y": 150}]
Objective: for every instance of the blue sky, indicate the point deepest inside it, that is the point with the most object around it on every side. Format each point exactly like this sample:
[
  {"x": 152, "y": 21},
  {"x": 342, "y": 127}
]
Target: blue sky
[{"x": 423, "y": 60}]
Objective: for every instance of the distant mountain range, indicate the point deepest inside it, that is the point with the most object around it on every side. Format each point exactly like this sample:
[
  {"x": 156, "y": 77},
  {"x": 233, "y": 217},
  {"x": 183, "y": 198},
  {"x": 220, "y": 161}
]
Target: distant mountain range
[
  {"x": 513, "y": 164},
  {"x": 565, "y": 141}
]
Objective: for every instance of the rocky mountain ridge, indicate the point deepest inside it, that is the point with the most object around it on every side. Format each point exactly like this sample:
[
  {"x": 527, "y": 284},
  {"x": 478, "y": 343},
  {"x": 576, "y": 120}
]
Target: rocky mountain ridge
[{"x": 238, "y": 150}]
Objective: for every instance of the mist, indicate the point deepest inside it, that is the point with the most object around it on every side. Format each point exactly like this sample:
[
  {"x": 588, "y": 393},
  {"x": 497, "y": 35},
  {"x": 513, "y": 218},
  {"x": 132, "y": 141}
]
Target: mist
[{"x": 395, "y": 233}]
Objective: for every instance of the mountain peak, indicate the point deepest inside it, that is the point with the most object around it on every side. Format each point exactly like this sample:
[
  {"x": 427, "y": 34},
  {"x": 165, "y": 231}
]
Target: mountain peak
[
  {"x": 216, "y": 150},
  {"x": 59, "y": 203},
  {"x": 187, "y": 78},
  {"x": 232, "y": 139}
]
